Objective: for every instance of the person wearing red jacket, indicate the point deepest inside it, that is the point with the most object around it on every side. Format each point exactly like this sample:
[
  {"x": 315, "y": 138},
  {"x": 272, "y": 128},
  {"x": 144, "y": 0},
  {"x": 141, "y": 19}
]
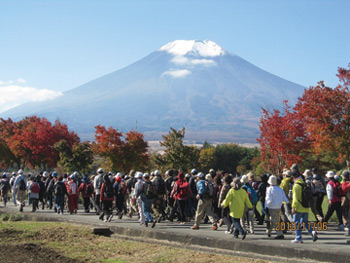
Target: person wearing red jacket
[
  {"x": 345, "y": 200},
  {"x": 72, "y": 189},
  {"x": 181, "y": 192},
  {"x": 106, "y": 198},
  {"x": 86, "y": 189},
  {"x": 334, "y": 193}
]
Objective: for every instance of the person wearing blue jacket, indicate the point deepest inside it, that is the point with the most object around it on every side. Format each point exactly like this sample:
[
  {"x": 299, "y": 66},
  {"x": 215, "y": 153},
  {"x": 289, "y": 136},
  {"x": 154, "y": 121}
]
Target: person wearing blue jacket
[{"x": 204, "y": 206}]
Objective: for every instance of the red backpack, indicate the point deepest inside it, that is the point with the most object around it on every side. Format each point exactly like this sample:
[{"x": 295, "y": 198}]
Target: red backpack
[
  {"x": 182, "y": 190},
  {"x": 35, "y": 188}
]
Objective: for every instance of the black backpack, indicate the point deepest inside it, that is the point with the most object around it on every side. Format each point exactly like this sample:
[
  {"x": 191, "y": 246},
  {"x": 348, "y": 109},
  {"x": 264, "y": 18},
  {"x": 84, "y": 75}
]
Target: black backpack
[
  {"x": 22, "y": 185},
  {"x": 159, "y": 182},
  {"x": 109, "y": 191},
  {"x": 306, "y": 195},
  {"x": 58, "y": 189},
  {"x": 150, "y": 190}
]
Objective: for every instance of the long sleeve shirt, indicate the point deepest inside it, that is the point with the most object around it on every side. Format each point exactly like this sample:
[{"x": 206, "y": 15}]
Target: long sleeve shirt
[{"x": 275, "y": 196}]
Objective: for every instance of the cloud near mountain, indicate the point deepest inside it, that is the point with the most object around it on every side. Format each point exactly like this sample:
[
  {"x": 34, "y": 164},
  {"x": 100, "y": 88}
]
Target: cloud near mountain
[{"x": 15, "y": 93}]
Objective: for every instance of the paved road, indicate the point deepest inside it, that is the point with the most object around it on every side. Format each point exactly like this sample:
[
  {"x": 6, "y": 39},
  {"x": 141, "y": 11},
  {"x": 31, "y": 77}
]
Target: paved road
[{"x": 331, "y": 247}]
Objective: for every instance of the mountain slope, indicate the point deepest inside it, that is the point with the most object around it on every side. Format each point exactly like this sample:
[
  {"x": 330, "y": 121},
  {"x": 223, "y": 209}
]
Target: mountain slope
[{"x": 216, "y": 95}]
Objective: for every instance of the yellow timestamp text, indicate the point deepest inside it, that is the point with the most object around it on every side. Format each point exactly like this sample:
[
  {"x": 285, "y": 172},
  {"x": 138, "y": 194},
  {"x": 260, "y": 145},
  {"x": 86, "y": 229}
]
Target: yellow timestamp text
[{"x": 292, "y": 226}]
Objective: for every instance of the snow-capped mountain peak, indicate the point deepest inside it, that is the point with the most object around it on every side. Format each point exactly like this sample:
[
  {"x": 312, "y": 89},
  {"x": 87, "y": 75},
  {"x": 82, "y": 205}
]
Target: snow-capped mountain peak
[{"x": 206, "y": 48}]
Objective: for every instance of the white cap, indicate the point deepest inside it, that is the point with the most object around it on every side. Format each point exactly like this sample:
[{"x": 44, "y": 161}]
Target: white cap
[
  {"x": 20, "y": 171},
  {"x": 330, "y": 174}
]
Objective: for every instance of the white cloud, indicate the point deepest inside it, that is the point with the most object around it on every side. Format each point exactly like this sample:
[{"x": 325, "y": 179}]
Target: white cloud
[
  {"x": 177, "y": 73},
  {"x": 181, "y": 60},
  {"x": 13, "y": 94}
]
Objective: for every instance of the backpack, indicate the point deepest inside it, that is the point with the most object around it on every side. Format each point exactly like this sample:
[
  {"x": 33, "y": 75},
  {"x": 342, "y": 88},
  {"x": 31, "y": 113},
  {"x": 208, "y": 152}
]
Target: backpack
[
  {"x": 209, "y": 189},
  {"x": 58, "y": 189},
  {"x": 159, "y": 182},
  {"x": 22, "y": 185},
  {"x": 183, "y": 190},
  {"x": 306, "y": 195},
  {"x": 90, "y": 189},
  {"x": 35, "y": 188},
  {"x": 5, "y": 185},
  {"x": 122, "y": 189},
  {"x": 150, "y": 190},
  {"x": 253, "y": 195},
  {"x": 109, "y": 191},
  {"x": 72, "y": 187}
]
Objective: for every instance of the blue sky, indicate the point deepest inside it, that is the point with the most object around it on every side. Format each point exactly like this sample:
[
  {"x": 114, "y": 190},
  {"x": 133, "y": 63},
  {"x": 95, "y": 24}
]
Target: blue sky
[{"x": 55, "y": 46}]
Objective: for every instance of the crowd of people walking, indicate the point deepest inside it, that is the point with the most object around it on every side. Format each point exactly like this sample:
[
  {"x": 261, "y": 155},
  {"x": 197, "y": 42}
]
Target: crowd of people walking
[{"x": 278, "y": 202}]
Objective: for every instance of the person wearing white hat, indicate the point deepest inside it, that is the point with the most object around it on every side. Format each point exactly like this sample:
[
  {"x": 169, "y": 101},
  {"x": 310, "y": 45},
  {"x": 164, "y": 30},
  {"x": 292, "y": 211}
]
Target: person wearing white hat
[
  {"x": 20, "y": 187},
  {"x": 275, "y": 196},
  {"x": 334, "y": 199},
  {"x": 138, "y": 193},
  {"x": 98, "y": 181}
]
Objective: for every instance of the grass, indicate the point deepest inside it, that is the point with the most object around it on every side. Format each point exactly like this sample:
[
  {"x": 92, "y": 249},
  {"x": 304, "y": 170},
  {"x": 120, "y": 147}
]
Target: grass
[{"x": 78, "y": 243}]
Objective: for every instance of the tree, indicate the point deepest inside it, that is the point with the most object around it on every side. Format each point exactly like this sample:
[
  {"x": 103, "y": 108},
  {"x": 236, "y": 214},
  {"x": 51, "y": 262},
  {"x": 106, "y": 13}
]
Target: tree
[
  {"x": 326, "y": 113},
  {"x": 177, "y": 155},
  {"x": 122, "y": 153},
  {"x": 135, "y": 151},
  {"x": 32, "y": 141},
  {"x": 207, "y": 158},
  {"x": 283, "y": 138},
  {"x": 109, "y": 144},
  {"x": 76, "y": 158}
]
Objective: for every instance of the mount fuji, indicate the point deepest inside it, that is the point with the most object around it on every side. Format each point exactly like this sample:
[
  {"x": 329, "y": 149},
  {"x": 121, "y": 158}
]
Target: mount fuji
[{"x": 199, "y": 85}]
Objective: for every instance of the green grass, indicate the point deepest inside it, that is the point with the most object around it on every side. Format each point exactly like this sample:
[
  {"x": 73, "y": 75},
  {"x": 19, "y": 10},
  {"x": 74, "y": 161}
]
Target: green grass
[{"x": 78, "y": 242}]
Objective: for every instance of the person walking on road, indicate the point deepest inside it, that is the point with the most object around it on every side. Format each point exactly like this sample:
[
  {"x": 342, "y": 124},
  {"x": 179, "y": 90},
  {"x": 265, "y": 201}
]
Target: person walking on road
[
  {"x": 236, "y": 200},
  {"x": 300, "y": 208},
  {"x": 225, "y": 212},
  {"x": 98, "y": 181},
  {"x": 86, "y": 189},
  {"x": 5, "y": 187},
  {"x": 334, "y": 193},
  {"x": 106, "y": 199},
  {"x": 20, "y": 188},
  {"x": 147, "y": 197},
  {"x": 181, "y": 192},
  {"x": 275, "y": 196},
  {"x": 60, "y": 191},
  {"x": 204, "y": 196}
]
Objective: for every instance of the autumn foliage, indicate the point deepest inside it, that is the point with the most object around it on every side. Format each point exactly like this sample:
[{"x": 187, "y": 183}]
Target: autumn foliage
[
  {"x": 122, "y": 153},
  {"x": 30, "y": 141},
  {"x": 319, "y": 122},
  {"x": 283, "y": 137}
]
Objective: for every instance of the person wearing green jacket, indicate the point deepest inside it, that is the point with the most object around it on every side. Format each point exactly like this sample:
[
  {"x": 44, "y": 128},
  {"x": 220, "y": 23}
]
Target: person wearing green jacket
[
  {"x": 300, "y": 213},
  {"x": 236, "y": 199}
]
